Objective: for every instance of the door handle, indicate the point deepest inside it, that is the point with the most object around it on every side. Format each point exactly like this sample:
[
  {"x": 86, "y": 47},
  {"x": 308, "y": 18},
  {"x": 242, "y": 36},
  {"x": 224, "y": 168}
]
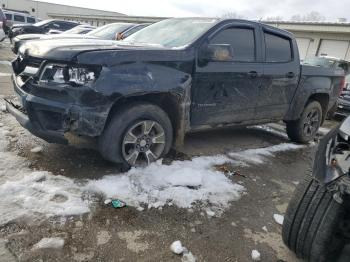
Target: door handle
[
  {"x": 253, "y": 74},
  {"x": 290, "y": 75}
]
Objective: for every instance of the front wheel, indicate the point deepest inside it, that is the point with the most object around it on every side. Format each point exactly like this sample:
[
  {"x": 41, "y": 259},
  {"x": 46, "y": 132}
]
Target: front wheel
[
  {"x": 311, "y": 224},
  {"x": 137, "y": 135},
  {"x": 305, "y": 129}
]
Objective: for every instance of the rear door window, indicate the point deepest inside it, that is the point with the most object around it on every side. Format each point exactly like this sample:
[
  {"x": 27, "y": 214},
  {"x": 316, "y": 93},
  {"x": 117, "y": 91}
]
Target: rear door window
[
  {"x": 30, "y": 20},
  {"x": 242, "y": 41},
  {"x": 278, "y": 48},
  {"x": 19, "y": 18}
]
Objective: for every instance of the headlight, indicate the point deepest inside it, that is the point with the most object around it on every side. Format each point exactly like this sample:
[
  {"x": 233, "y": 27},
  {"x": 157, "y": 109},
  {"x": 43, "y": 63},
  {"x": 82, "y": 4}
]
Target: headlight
[{"x": 72, "y": 75}]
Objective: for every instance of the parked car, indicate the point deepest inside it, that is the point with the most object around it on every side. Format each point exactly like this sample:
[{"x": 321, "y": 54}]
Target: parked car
[
  {"x": 140, "y": 96},
  {"x": 328, "y": 62},
  {"x": 315, "y": 224},
  {"x": 40, "y": 27},
  {"x": 16, "y": 17},
  {"x": 106, "y": 32},
  {"x": 80, "y": 29}
]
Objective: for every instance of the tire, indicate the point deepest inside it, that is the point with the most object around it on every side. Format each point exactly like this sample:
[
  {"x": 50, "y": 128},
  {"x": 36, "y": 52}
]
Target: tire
[
  {"x": 297, "y": 130},
  {"x": 310, "y": 227},
  {"x": 111, "y": 142}
]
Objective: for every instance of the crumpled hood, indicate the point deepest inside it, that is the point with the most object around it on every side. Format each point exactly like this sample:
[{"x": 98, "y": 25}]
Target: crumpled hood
[{"x": 62, "y": 49}]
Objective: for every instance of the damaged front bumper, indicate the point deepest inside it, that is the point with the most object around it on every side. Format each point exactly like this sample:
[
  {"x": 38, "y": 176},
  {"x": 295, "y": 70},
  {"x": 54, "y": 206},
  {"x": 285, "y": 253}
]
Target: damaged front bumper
[{"x": 52, "y": 118}]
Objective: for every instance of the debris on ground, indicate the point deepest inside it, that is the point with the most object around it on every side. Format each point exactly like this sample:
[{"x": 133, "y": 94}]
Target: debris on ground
[
  {"x": 176, "y": 247},
  {"x": 278, "y": 218},
  {"x": 210, "y": 213},
  {"x": 226, "y": 168},
  {"x": 107, "y": 201},
  {"x": 49, "y": 243},
  {"x": 37, "y": 149},
  {"x": 256, "y": 255},
  {"x": 116, "y": 203},
  {"x": 265, "y": 229},
  {"x": 3, "y": 108}
]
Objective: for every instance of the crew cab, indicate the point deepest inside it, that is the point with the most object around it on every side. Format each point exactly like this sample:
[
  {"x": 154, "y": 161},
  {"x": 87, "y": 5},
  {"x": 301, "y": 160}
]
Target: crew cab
[{"x": 140, "y": 96}]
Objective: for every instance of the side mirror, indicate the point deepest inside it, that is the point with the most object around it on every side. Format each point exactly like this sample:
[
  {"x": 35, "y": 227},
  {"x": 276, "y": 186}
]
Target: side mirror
[{"x": 216, "y": 53}]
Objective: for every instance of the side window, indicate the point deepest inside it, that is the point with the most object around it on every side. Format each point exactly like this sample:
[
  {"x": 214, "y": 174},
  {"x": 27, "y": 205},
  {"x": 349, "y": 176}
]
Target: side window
[
  {"x": 18, "y": 18},
  {"x": 30, "y": 20},
  {"x": 278, "y": 49},
  {"x": 8, "y": 17},
  {"x": 242, "y": 41}
]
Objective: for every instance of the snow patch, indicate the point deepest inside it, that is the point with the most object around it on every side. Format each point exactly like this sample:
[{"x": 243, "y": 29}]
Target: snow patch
[
  {"x": 182, "y": 183},
  {"x": 256, "y": 255},
  {"x": 259, "y": 155},
  {"x": 37, "y": 149},
  {"x": 176, "y": 247},
  {"x": 278, "y": 218},
  {"x": 7, "y": 63},
  {"x": 49, "y": 243}
]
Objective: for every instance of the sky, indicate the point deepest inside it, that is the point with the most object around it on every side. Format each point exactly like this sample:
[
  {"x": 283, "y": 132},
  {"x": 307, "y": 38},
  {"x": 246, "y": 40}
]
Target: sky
[{"x": 250, "y": 9}]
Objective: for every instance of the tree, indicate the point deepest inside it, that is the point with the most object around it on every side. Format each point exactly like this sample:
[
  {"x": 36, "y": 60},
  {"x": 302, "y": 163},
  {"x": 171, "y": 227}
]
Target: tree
[
  {"x": 310, "y": 17},
  {"x": 273, "y": 18},
  {"x": 232, "y": 15}
]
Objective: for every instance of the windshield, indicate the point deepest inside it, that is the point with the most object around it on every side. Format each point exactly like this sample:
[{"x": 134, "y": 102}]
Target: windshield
[
  {"x": 172, "y": 33},
  {"x": 109, "y": 31}
]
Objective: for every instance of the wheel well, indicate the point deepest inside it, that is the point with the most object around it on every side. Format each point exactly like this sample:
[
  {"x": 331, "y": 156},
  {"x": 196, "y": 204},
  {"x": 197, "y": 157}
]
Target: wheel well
[
  {"x": 323, "y": 99},
  {"x": 169, "y": 103}
]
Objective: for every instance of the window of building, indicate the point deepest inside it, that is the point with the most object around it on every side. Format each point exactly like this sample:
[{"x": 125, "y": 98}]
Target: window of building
[
  {"x": 278, "y": 48},
  {"x": 242, "y": 41}
]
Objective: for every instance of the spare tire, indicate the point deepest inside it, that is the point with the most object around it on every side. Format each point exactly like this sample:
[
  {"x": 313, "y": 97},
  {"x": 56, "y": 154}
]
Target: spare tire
[{"x": 311, "y": 224}]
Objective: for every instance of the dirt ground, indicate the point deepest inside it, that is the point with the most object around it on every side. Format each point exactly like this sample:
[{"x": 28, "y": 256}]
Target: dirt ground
[{"x": 108, "y": 234}]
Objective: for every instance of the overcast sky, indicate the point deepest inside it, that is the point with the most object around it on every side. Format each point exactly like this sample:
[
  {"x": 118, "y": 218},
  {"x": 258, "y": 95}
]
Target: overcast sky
[{"x": 251, "y": 9}]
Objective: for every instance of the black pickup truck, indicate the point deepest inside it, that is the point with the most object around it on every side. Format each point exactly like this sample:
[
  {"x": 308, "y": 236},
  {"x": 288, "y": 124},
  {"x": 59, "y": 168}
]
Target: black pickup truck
[{"x": 140, "y": 96}]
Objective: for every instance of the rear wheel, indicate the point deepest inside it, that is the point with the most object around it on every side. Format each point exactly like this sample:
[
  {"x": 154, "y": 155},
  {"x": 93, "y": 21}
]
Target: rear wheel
[
  {"x": 137, "y": 135},
  {"x": 305, "y": 129},
  {"x": 311, "y": 225}
]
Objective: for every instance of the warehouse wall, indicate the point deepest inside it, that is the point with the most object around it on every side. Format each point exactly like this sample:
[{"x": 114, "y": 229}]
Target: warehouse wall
[{"x": 42, "y": 9}]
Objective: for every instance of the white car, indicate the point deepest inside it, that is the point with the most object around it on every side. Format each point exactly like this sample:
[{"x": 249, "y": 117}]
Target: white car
[{"x": 2, "y": 35}]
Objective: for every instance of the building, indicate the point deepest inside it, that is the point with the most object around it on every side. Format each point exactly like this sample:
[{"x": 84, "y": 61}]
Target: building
[
  {"x": 319, "y": 38},
  {"x": 45, "y": 10}
]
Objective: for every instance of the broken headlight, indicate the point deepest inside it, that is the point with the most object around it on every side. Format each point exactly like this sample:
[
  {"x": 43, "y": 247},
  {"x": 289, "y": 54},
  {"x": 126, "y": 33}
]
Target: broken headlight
[{"x": 72, "y": 75}]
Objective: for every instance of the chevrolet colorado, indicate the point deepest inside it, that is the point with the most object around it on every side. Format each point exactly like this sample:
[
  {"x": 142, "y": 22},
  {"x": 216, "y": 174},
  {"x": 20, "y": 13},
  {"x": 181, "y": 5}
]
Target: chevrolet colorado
[{"x": 140, "y": 96}]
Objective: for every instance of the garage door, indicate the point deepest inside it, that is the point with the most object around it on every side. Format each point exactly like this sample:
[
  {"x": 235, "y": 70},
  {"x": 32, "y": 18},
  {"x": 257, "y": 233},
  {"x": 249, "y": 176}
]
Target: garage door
[
  {"x": 334, "y": 48},
  {"x": 303, "y": 46}
]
